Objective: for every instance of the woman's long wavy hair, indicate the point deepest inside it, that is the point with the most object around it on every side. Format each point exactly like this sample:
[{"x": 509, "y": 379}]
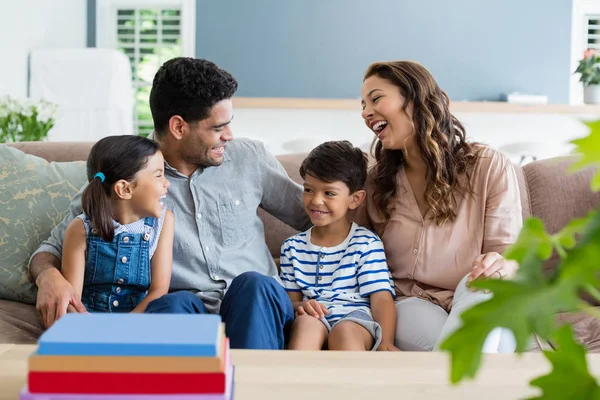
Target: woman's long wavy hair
[{"x": 440, "y": 139}]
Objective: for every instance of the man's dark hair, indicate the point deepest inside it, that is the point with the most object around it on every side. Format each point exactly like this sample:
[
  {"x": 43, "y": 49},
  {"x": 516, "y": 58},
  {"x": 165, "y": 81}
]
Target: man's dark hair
[
  {"x": 337, "y": 161},
  {"x": 188, "y": 87}
]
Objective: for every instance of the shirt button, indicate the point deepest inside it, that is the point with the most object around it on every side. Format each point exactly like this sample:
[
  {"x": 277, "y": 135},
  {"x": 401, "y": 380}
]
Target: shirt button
[
  {"x": 320, "y": 277},
  {"x": 237, "y": 202},
  {"x": 199, "y": 216},
  {"x": 320, "y": 267},
  {"x": 322, "y": 255},
  {"x": 116, "y": 303},
  {"x": 124, "y": 259},
  {"x": 217, "y": 277},
  {"x": 118, "y": 290},
  {"x": 207, "y": 249},
  {"x": 126, "y": 239},
  {"x": 120, "y": 281},
  {"x": 420, "y": 293},
  {"x": 415, "y": 251}
]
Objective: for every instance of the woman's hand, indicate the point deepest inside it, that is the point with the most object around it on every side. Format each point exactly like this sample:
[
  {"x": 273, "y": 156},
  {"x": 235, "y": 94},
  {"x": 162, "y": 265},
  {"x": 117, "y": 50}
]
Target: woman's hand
[
  {"x": 492, "y": 265},
  {"x": 310, "y": 307}
]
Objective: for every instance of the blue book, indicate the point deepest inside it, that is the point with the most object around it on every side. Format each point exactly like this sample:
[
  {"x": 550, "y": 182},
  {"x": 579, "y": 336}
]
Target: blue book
[{"x": 109, "y": 334}]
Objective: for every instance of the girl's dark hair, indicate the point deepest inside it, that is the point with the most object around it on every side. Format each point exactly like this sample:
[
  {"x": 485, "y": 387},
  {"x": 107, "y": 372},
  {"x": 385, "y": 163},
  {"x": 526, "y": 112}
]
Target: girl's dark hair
[
  {"x": 337, "y": 161},
  {"x": 441, "y": 140},
  {"x": 116, "y": 157}
]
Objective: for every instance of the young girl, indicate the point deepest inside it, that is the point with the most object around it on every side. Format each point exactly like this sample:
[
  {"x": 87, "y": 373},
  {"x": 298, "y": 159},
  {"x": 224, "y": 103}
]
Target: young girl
[{"x": 118, "y": 253}]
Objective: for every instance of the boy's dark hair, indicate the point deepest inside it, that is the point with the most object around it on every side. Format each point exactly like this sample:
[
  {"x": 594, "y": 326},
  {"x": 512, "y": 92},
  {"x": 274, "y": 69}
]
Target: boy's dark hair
[
  {"x": 188, "y": 87},
  {"x": 337, "y": 161},
  {"x": 116, "y": 157}
]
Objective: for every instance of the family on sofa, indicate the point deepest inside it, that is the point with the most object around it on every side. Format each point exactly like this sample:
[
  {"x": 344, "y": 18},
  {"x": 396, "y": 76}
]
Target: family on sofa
[{"x": 170, "y": 225}]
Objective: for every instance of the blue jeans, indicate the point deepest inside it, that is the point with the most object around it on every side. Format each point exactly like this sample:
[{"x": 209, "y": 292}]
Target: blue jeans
[{"x": 256, "y": 310}]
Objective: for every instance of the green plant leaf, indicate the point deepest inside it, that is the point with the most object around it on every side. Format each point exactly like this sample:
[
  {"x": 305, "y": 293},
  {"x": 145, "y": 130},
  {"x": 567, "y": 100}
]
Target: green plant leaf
[
  {"x": 529, "y": 303},
  {"x": 589, "y": 149},
  {"x": 569, "y": 378},
  {"x": 566, "y": 238},
  {"x": 523, "y": 307}
]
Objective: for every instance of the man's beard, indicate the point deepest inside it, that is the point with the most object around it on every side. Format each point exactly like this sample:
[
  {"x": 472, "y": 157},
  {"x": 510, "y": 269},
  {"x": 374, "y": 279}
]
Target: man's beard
[{"x": 200, "y": 156}]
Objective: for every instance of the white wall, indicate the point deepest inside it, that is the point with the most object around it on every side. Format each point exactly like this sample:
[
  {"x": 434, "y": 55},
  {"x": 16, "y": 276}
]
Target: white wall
[
  {"x": 31, "y": 24},
  {"x": 287, "y": 131}
]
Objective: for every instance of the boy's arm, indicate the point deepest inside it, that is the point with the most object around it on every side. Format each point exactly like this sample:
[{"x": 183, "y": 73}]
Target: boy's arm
[
  {"x": 161, "y": 264},
  {"x": 296, "y": 298},
  {"x": 375, "y": 282},
  {"x": 288, "y": 279},
  {"x": 384, "y": 313}
]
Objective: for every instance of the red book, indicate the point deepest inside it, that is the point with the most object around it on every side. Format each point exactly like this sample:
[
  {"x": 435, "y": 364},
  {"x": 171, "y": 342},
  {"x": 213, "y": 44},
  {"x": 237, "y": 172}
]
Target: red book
[{"x": 128, "y": 382}]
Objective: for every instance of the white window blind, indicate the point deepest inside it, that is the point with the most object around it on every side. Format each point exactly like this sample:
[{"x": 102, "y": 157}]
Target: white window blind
[
  {"x": 592, "y": 31},
  {"x": 585, "y": 34},
  {"x": 149, "y": 32}
]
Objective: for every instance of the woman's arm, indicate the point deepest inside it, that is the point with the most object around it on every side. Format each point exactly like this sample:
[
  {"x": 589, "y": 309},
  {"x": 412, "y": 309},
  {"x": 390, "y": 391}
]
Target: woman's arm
[
  {"x": 73, "y": 258},
  {"x": 161, "y": 264},
  {"x": 503, "y": 219},
  {"x": 384, "y": 313}
]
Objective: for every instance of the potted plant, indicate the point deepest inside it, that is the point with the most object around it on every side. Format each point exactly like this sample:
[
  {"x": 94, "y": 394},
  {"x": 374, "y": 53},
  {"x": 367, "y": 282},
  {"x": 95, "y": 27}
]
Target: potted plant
[
  {"x": 589, "y": 68},
  {"x": 25, "y": 120},
  {"x": 528, "y": 304}
]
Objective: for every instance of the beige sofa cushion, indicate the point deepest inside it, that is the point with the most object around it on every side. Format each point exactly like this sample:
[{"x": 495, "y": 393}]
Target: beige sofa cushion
[
  {"x": 557, "y": 196},
  {"x": 19, "y": 323},
  {"x": 34, "y": 197}
]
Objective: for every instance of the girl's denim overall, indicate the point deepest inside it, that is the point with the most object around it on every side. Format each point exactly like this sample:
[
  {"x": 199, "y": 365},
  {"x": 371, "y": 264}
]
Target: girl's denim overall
[{"x": 117, "y": 274}]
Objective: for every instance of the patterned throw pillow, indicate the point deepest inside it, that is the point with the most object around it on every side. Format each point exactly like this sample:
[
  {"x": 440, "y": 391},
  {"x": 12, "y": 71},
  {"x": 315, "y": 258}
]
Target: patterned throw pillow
[{"x": 34, "y": 197}]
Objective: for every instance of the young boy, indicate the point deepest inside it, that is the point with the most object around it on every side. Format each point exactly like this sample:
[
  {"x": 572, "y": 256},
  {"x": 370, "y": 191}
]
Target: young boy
[{"x": 336, "y": 273}]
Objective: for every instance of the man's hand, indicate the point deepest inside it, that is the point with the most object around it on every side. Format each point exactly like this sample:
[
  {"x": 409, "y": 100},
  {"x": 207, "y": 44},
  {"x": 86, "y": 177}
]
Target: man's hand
[
  {"x": 310, "y": 307},
  {"x": 54, "y": 295},
  {"x": 387, "y": 347}
]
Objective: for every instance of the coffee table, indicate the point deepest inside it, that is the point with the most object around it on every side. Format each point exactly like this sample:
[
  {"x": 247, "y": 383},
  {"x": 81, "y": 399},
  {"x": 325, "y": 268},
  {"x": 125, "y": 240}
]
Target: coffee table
[{"x": 290, "y": 375}]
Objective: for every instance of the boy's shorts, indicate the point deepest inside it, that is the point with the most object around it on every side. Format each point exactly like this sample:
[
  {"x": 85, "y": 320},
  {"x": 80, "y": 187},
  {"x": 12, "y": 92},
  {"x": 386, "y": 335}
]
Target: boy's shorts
[{"x": 363, "y": 319}]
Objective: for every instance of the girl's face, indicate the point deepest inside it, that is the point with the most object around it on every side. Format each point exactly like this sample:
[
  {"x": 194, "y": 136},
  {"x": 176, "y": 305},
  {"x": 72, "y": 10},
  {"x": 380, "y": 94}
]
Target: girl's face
[
  {"x": 150, "y": 188},
  {"x": 382, "y": 111}
]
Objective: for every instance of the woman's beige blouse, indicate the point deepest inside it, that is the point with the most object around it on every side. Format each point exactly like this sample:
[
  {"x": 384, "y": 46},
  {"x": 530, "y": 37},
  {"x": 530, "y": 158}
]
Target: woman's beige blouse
[{"x": 427, "y": 260}]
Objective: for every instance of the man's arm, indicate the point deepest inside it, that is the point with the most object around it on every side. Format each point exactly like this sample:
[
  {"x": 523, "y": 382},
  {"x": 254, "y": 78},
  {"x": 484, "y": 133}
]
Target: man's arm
[{"x": 282, "y": 197}]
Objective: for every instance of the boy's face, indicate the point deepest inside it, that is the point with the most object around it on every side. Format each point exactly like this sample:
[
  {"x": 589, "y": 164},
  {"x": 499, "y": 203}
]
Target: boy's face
[{"x": 327, "y": 203}]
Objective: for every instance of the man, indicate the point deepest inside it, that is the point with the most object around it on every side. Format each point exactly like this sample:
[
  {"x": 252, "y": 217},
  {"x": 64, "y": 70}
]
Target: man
[{"x": 220, "y": 259}]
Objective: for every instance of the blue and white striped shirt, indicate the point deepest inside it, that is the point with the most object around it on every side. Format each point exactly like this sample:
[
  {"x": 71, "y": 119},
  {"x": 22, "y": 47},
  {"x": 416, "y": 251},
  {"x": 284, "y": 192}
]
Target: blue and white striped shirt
[{"x": 342, "y": 277}]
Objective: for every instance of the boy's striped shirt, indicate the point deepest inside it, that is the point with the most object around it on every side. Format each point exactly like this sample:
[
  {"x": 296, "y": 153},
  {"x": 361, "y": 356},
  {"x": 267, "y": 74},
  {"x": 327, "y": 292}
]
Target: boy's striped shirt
[{"x": 340, "y": 277}]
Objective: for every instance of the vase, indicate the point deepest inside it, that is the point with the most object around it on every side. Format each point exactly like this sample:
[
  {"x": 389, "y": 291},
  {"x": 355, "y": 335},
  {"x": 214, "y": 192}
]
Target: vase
[{"x": 591, "y": 94}]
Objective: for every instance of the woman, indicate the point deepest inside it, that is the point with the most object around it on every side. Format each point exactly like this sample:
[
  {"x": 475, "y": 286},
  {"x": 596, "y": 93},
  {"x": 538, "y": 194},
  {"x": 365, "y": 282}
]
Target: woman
[{"x": 445, "y": 208}]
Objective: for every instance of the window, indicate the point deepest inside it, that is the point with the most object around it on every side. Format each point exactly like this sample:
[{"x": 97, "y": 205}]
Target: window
[
  {"x": 585, "y": 34},
  {"x": 149, "y": 32}
]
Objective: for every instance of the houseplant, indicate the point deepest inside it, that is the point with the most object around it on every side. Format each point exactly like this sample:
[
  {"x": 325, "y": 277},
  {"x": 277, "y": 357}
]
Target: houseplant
[
  {"x": 589, "y": 68},
  {"x": 529, "y": 303},
  {"x": 25, "y": 120}
]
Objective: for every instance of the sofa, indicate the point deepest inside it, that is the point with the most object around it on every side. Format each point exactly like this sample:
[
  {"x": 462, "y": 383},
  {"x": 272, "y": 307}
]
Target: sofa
[{"x": 547, "y": 192}]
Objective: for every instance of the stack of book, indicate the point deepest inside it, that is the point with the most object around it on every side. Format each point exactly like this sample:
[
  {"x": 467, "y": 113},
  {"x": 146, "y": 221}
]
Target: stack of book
[{"x": 132, "y": 356}]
